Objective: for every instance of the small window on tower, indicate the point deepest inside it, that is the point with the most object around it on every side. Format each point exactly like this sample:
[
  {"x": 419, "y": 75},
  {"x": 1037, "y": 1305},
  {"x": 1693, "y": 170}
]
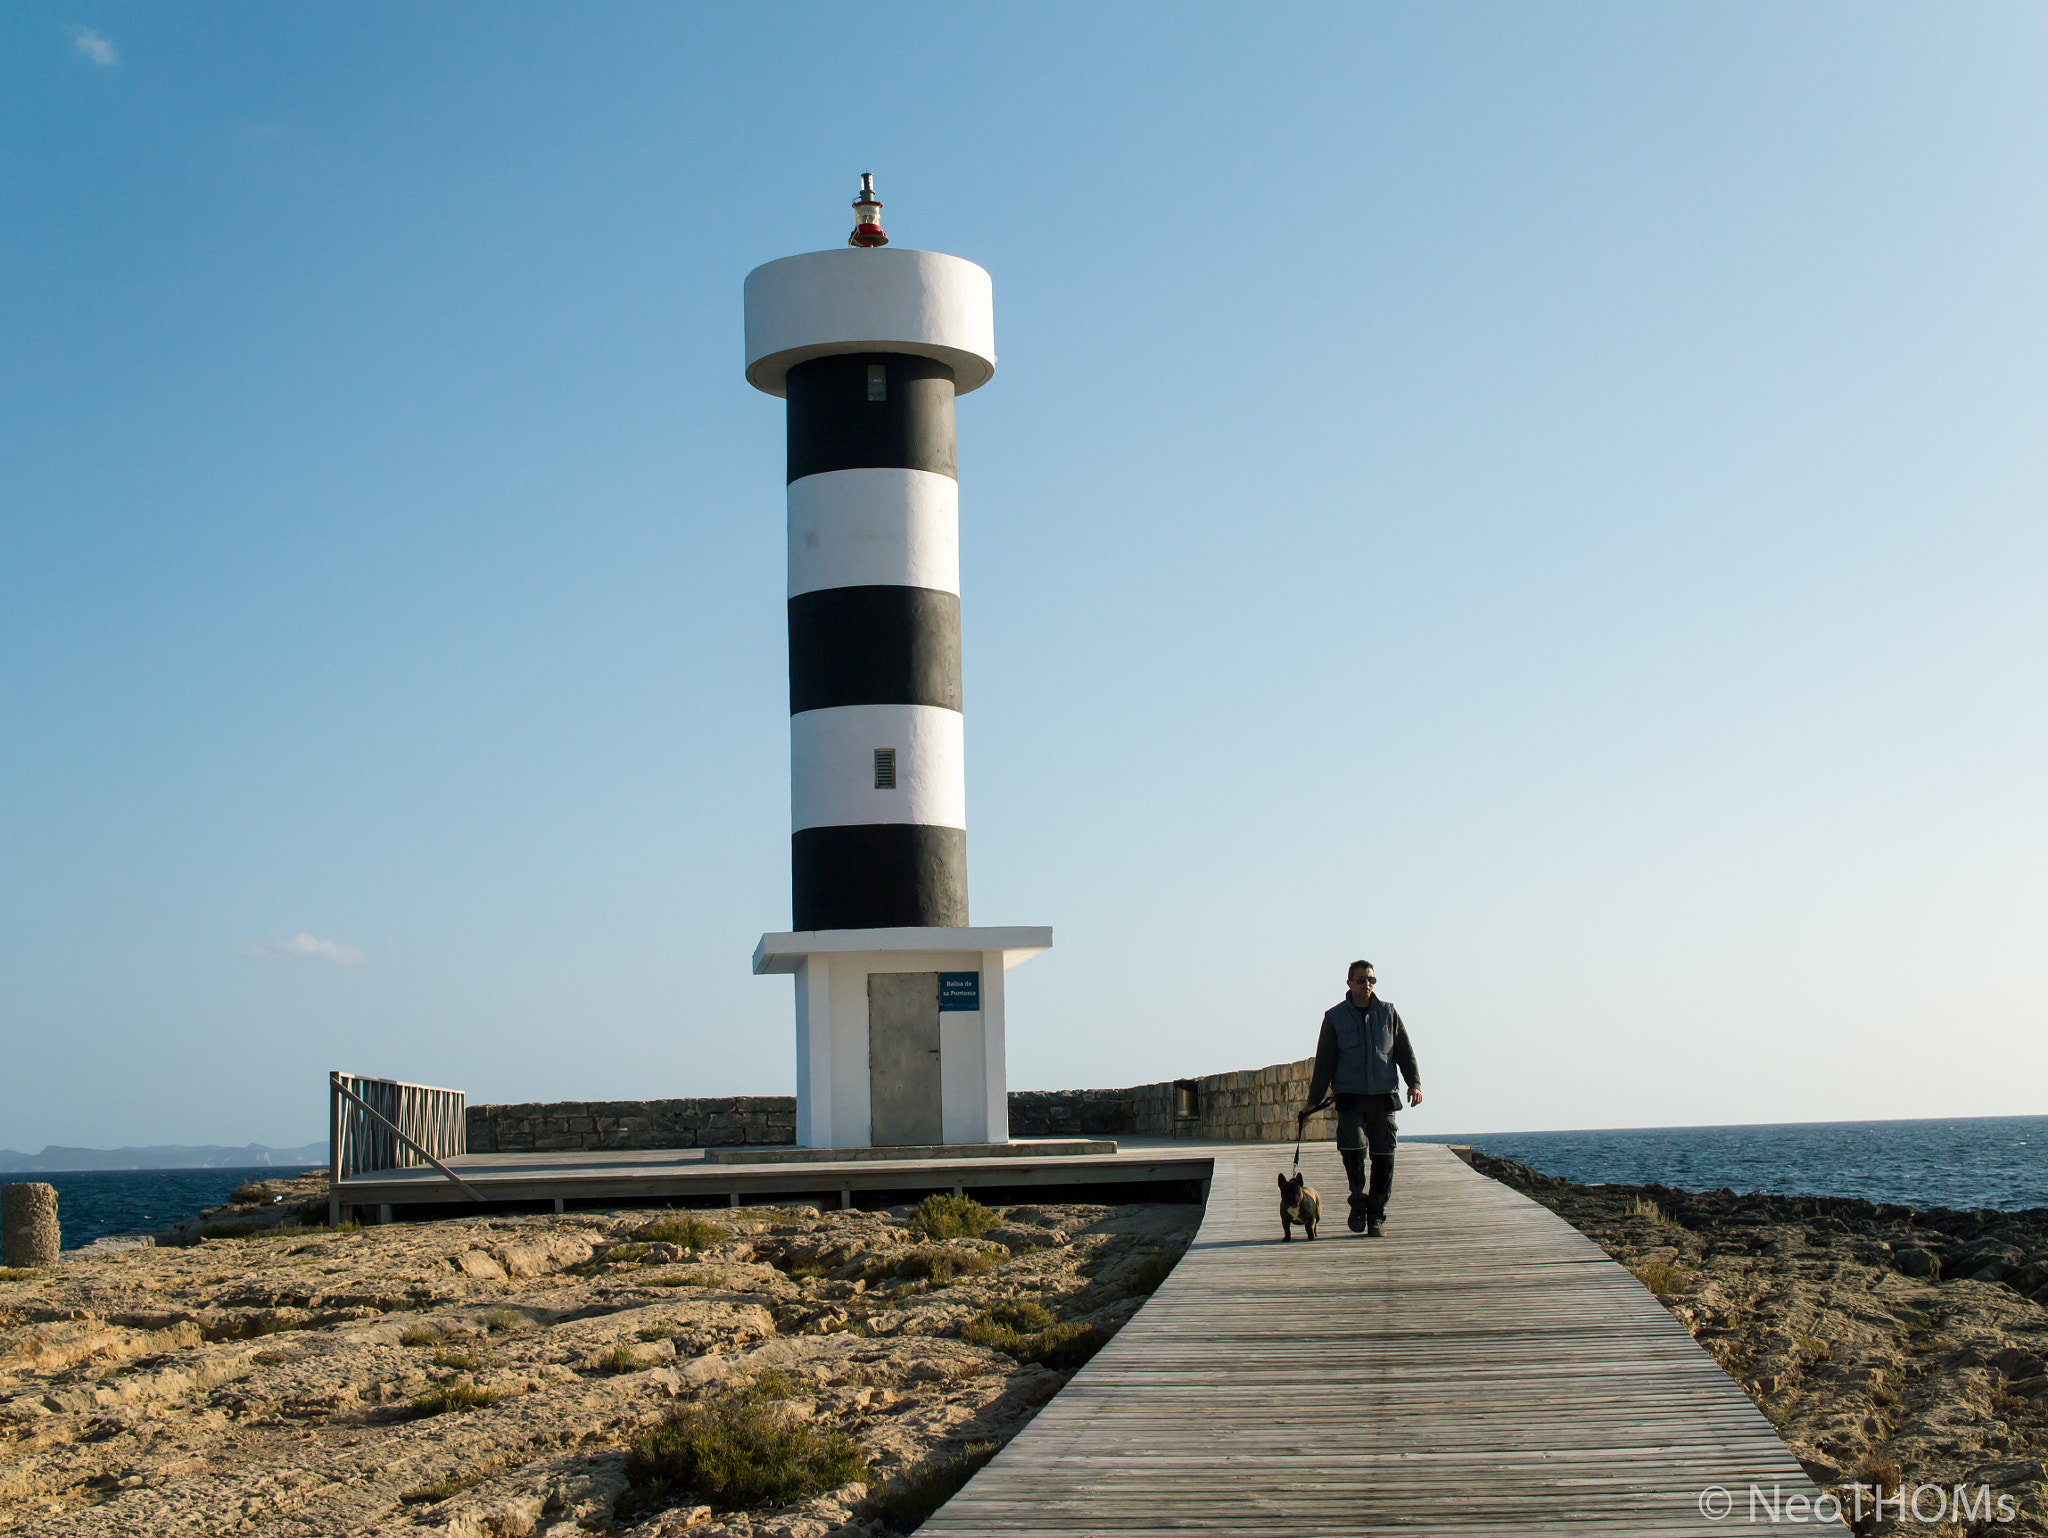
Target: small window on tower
[
  {"x": 878, "y": 382},
  {"x": 885, "y": 768}
]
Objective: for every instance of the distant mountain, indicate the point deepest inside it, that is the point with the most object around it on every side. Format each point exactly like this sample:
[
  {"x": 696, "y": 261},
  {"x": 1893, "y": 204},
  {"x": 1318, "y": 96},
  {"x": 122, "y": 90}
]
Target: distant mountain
[{"x": 176, "y": 1157}]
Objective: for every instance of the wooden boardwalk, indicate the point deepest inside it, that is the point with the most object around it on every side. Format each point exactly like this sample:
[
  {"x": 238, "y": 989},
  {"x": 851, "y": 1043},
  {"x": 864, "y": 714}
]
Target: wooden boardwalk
[{"x": 1484, "y": 1369}]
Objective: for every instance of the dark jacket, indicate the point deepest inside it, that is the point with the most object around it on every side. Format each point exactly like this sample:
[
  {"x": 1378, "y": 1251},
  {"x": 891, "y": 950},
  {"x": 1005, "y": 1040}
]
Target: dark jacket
[{"x": 1358, "y": 1052}]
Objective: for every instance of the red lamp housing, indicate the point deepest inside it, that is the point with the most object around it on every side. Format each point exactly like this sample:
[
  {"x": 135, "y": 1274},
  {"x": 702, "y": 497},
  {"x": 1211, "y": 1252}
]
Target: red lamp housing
[{"x": 867, "y": 208}]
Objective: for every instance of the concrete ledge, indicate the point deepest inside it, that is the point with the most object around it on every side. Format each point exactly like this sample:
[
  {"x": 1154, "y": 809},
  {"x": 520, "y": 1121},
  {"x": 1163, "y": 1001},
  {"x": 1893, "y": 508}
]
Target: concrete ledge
[
  {"x": 783, "y": 952},
  {"x": 1024, "y": 1150}
]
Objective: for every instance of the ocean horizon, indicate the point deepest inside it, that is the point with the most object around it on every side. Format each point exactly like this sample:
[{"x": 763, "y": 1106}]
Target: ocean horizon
[
  {"x": 60, "y": 1158},
  {"x": 1965, "y": 1162}
]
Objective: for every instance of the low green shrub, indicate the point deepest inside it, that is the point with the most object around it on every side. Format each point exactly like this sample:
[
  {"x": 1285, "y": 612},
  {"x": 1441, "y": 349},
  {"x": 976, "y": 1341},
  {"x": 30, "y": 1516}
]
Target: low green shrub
[
  {"x": 621, "y": 1358},
  {"x": 420, "y": 1335},
  {"x": 472, "y": 1356},
  {"x": 941, "y": 1266},
  {"x": 452, "y": 1396},
  {"x": 683, "y": 1228},
  {"x": 1874, "y": 1468},
  {"x": 733, "y": 1454},
  {"x": 945, "y": 1216},
  {"x": 15, "y": 1274},
  {"x": 1060, "y": 1346},
  {"x": 772, "y": 1384},
  {"x": 909, "y": 1498},
  {"x": 678, "y": 1279},
  {"x": 508, "y": 1320},
  {"x": 441, "y": 1490},
  {"x": 250, "y": 1193},
  {"x": 1021, "y": 1314},
  {"x": 1662, "y": 1276}
]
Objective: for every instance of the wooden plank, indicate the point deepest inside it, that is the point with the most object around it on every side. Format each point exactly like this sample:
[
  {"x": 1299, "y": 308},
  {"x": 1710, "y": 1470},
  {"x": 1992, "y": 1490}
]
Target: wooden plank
[{"x": 1484, "y": 1369}]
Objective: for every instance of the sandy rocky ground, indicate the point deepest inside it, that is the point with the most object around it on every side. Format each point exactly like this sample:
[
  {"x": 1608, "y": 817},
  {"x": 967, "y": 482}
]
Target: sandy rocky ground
[
  {"x": 266, "y": 1384},
  {"x": 1870, "y": 1335}
]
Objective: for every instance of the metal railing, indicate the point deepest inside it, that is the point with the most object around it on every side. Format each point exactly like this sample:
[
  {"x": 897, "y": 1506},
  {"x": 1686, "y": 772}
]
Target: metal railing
[{"x": 383, "y": 1124}]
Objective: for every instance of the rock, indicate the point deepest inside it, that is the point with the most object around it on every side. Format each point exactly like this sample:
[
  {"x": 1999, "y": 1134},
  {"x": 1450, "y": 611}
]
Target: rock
[
  {"x": 1917, "y": 1262},
  {"x": 510, "y": 1519},
  {"x": 541, "y": 1256},
  {"x": 479, "y": 1264},
  {"x": 1986, "y": 1260},
  {"x": 264, "y": 1386},
  {"x": 521, "y": 1259},
  {"x": 2017, "y": 1363},
  {"x": 706, "y": 1369},
  {"x": 29, "y": 1235},
  {"x": 1018, "y": 1239}
]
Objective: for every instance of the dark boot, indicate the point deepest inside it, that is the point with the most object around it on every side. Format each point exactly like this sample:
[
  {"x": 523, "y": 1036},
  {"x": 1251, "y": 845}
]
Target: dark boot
[
  {"x": 1354, "y": 1175},
  {"x": 1376, "y": 1196}
]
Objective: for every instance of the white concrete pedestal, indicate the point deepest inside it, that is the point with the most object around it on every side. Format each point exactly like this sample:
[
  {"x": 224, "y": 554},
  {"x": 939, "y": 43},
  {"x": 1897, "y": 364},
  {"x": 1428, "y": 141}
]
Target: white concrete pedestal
[{"x": 832, "y": 967}]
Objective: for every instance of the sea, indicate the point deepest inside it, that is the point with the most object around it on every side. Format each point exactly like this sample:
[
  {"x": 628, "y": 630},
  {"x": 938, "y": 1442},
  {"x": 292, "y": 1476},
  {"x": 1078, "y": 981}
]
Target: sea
[
  {"x": 1965, "y": 1163},
  {"x": 103, "y": 1204}
]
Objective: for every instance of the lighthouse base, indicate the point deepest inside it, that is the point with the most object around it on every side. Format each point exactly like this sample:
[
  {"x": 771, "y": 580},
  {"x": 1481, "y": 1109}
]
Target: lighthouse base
[{"x": 900, "y": 1032}]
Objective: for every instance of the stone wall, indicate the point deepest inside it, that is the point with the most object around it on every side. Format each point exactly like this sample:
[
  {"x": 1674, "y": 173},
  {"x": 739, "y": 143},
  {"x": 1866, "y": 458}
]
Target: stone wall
[
  {"x": 1072, "y": 1112},
  {"x": 566, "y": 1126},
  {"x": 1256, "y": 1105}
]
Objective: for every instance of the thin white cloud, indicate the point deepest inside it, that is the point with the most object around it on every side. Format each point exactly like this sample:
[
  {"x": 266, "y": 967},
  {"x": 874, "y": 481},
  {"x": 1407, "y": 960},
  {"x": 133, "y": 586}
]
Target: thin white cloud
[
  {"x": 95, "y": 47},
  {"x": 304, "y": 947}
]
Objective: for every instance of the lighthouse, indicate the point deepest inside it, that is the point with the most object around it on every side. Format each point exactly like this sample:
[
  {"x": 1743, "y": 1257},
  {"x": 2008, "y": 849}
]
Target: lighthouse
[{"x": 900, "y": 1024}]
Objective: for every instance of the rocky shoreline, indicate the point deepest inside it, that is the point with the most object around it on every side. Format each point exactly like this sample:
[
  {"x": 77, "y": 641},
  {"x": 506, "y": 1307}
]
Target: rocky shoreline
[
  {"x": 253, "y": 1373},
  {"x": 490, "y": 1375},
  {"x": 1882, "y": 1341}
]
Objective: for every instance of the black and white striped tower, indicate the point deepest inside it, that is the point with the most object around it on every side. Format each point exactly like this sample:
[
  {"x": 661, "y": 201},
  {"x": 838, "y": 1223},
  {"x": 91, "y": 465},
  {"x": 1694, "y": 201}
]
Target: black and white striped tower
[
  {"x": 871, "y": 347},
  {"x": 878, "y": 776}
]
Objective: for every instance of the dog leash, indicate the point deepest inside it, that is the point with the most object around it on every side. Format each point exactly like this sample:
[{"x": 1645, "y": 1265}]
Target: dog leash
[{"x": 1300, "y": 1122}]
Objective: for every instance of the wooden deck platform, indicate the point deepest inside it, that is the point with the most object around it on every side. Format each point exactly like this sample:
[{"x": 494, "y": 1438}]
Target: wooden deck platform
[
  {"x": 691, "y": 1176},
  {"x": 1484, "y": 1369}
]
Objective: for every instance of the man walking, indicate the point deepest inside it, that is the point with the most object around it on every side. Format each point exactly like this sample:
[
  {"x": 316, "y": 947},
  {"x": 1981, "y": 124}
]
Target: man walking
[{"x": 1362, "y": 1044}]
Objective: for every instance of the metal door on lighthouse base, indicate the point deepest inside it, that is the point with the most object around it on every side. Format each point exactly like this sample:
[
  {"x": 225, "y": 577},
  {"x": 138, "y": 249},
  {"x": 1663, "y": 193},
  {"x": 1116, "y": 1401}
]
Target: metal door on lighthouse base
[{"x": 904, "y": 1103}]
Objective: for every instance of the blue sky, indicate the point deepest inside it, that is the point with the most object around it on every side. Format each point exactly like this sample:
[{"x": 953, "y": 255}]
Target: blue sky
[{"x": 1548, "y": 499}]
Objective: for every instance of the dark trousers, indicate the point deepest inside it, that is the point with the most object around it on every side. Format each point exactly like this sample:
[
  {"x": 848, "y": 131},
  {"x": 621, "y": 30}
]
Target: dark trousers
[{"x": 1366, "y": 1123}]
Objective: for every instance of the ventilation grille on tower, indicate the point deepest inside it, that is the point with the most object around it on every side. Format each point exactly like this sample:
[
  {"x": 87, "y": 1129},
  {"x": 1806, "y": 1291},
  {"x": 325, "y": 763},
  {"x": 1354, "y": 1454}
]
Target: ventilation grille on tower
[{"x": 885, "y": 768}]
